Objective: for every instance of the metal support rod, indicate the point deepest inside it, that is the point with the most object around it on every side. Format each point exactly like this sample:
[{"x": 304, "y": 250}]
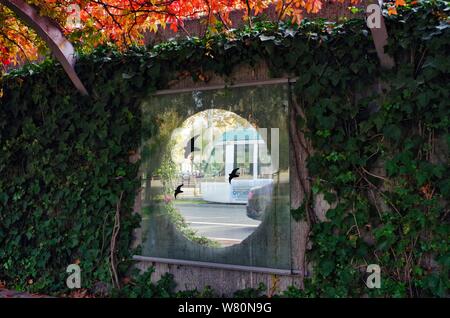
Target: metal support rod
[
  {"x": 241, "y": 268},
  {"x": 51, "y": 33}
]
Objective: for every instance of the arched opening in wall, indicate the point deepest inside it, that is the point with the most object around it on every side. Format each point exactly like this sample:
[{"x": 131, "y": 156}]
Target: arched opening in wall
[{"x": 205, "y": 150}]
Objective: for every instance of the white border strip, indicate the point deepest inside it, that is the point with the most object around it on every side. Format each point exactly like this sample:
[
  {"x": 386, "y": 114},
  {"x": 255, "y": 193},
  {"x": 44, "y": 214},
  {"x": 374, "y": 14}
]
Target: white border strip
[
  {"x": 222, "y": 86},
  {"x": 264, "y": 270}
]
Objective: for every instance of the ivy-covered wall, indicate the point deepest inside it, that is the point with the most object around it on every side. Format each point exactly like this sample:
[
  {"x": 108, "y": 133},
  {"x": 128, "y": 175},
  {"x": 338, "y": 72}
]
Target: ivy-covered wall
[{"x": 381, "y": 160}]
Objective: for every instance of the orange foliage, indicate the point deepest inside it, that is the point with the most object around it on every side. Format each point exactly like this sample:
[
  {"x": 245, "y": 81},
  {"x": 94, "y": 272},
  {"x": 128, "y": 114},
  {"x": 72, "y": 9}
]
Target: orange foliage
[{"x": 125, "y": 22}]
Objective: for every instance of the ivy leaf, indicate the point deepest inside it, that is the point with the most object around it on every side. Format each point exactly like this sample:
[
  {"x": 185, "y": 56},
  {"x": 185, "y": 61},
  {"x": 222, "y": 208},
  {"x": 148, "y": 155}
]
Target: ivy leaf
[
  {"x": 392, "y": 132},
  {"x": 265, "y": 38},
  {"x": 326, "y": 267},
  {"x": 127, "y": 76}
]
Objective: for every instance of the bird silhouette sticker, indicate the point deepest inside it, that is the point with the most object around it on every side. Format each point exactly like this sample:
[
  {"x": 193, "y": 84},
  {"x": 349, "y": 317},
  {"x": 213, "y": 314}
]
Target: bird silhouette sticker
[
  {"x": 233, "y": 174},
  {"x": 178, "y": 190},
  {"x": 190, "y": 148}
]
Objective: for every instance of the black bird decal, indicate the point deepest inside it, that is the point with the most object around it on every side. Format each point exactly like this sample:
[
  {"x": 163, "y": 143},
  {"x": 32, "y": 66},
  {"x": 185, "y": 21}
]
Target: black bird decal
[
  {"x": 178, "y": 190},
  {"x": 190, "y": 147},
  {"x": 233, "y": 175}
]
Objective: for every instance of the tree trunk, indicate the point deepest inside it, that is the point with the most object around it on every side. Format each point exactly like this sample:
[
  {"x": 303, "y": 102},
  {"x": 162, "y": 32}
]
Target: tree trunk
[{"x": 300, "y": 150}]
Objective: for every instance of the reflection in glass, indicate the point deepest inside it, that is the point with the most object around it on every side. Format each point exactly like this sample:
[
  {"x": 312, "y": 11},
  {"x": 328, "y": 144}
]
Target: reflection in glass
[
  {"x": 194, "y": 141},
  {"x": 200, "y": 156}
]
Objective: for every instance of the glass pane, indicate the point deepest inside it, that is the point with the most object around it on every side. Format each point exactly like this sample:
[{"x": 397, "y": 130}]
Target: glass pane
[{"x": 215, "y": 176}]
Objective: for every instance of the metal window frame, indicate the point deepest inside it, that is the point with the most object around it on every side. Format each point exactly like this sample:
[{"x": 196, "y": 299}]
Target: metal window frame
[
  {"x": 210, "y": 265},
  {"x": 284, "y": 80}
]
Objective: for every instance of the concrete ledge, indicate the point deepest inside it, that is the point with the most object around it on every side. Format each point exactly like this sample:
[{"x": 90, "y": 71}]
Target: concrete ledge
[{"x": 224, "y": 279}]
